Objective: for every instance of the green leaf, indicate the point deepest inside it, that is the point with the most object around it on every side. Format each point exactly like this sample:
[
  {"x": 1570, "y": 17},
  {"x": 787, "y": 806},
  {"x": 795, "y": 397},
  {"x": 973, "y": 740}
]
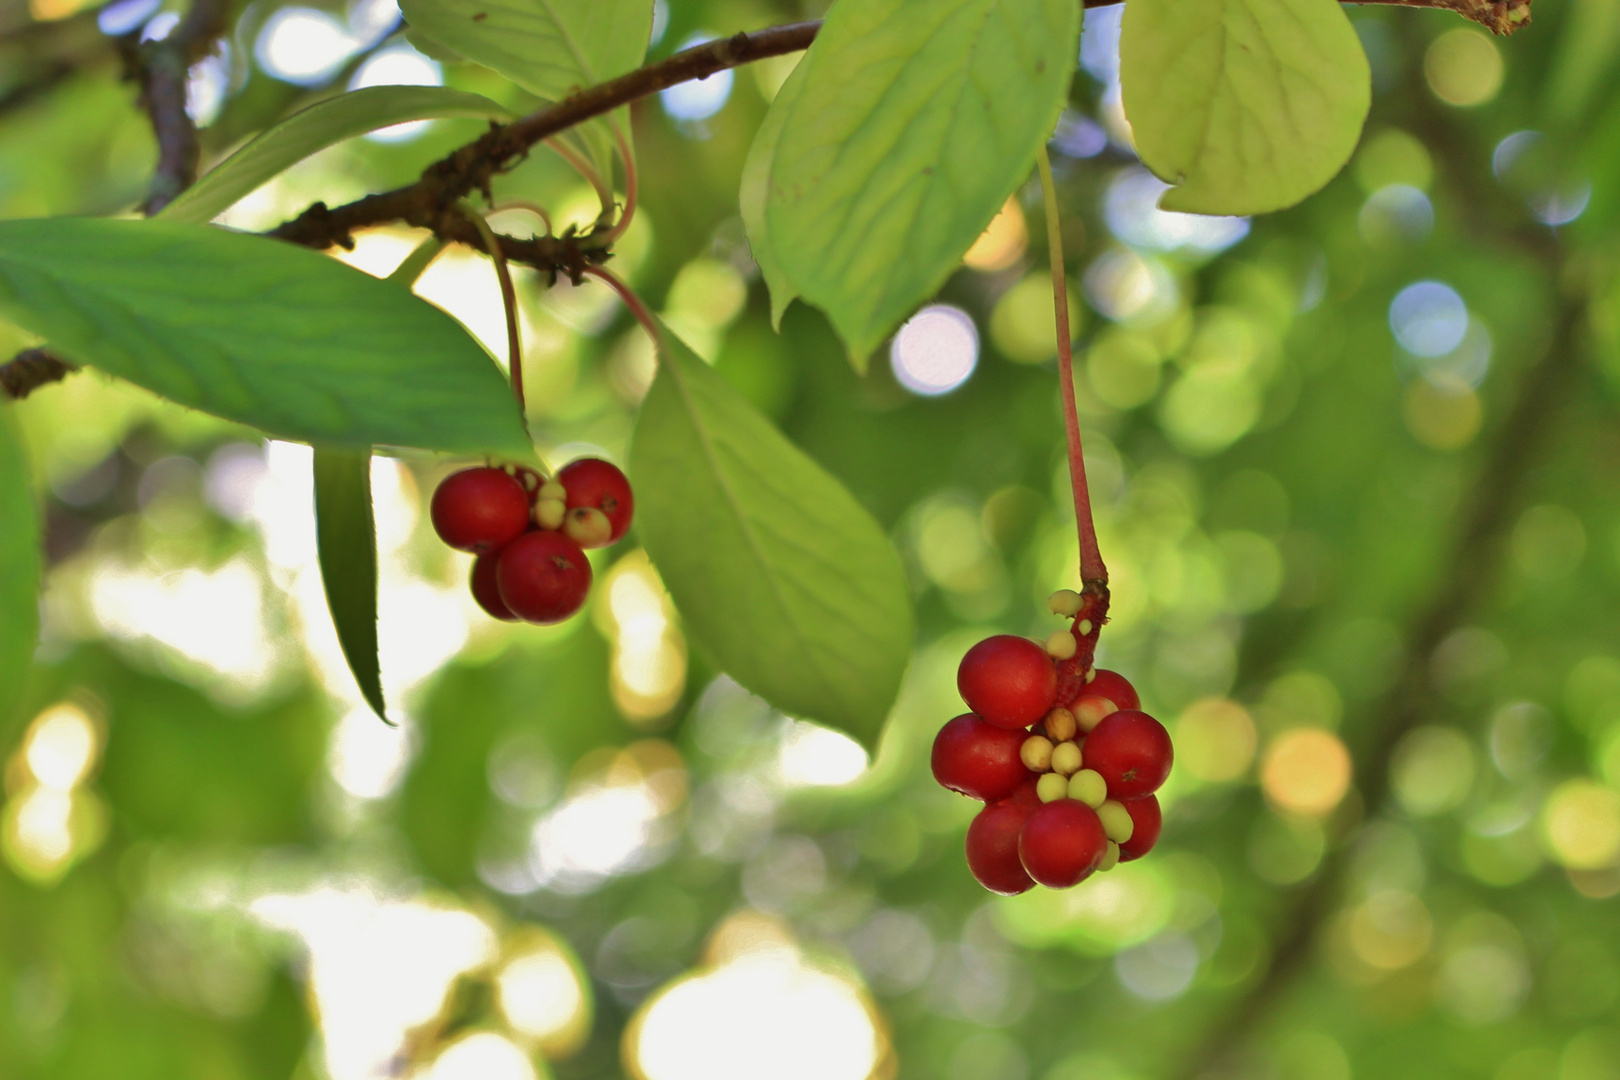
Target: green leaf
[
  {"x": 781, "y": 577},
  {"x": 756, "y": 180},
  {"x": 346, "y": 540},
  {"x": 257, "y": 331},
  {"x": 19, "y": 568},
  {"x": 321, "y": 125},
  {"x": 916, "y": 119},
  {"x": 549, "y": 47},
  {"x": 1247, "y": 106}
]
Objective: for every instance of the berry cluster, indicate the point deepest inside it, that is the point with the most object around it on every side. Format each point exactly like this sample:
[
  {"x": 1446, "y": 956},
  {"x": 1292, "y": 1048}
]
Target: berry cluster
[
  {"x": 1059, "y": 752},
  {"x": 529, "y": 533}
]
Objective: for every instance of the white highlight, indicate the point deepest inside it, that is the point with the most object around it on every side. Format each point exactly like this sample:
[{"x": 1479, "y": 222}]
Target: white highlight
[{"x": 935, "y": 351}]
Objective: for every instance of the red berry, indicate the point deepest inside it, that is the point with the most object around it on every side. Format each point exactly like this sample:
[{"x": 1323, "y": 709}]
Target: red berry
[
  {"x": 992, "y": 847},
  {"x": 978, "y": 759},
  {"x": 1147, "y": 820},
  {"x": 1062, "y": 843},
  {"x": 1010, "y": 681},
  {"x": 543, "y": 577},
  {"x": 485, "y": 590},
  {"x": 479, "y": 510},
  {"x": 596, "y": 483},
  {"x": 1132, "y": 752},
  {"x": 1113, "y": 686}
]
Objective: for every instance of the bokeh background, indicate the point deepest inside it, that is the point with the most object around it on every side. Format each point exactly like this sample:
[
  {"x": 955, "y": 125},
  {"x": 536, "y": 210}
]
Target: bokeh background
[{"x": 1354, "y": 466}]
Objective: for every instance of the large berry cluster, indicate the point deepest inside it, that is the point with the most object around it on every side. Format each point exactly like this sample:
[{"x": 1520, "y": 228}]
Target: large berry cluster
[
  {"x": 529, "y": 533},
  {"x": 1059, "y": 752}
]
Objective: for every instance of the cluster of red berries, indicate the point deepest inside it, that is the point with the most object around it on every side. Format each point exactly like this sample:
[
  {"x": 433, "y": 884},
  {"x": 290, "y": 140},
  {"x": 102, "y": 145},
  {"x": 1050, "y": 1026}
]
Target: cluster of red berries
[
  {"x": 529, "y": 533},
  {"x": 1061, "y": 755}
]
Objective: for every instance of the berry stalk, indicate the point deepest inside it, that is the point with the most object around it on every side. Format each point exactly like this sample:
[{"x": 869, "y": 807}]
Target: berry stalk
[
  {"x": 514, "y": 343},
  {"x": 643, "y": 315},
  {"x": 1093, "y": 574}
]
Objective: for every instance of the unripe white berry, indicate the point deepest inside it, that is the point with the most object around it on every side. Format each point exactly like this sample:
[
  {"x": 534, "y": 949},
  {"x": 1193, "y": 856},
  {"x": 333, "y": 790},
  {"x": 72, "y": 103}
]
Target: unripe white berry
[
  {"x": 1060, "y": 725},
  {"x": 1110, "y": 857},
  {"x": 1065, "y": 758},
  {"x": 1061, "y": 646},
  {"x": 1116, "y": 821},
  {"x": 1051, "y": 787},
  {"x": 1089, "y": 787},
  {"x": 549, "y": 513},
  {"x": 1084, "y": 627},
  {"x": 1036, "y": 753},
  {"x": 553, "y": 490},
  {"x": 1091, "y": 673},
  {"x": 588, "y": 527},
  {"x": 1089, "y": 711},
  {"x": 1064, "y": 602}
]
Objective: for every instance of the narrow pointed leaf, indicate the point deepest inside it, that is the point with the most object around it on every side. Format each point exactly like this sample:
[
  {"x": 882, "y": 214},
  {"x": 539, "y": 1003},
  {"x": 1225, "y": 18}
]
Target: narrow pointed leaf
[
  {"x": 916, "y": 119},
  {"x": 257, "y": 331},
  {"x": 1247, "y": 106},
  {"x": 323, "y": 124},
  {"x": 781, "y": 577},
  {"x": 346, "y": 540},
  {"x": 19, "y": 568}
]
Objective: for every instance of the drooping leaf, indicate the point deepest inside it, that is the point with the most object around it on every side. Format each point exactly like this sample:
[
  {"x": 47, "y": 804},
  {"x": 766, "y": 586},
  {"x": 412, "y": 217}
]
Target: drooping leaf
[
  {"x": 323, "y": 124},
  {"x": 1247, "y": 106},
  {"x": 916, "y": 119},
  {"x": 756, "y": 180},
  {"x": 19, "y": 568},
  {"x": 346, "y": 541},
  {"x": 257, "y": 331},
  {"x": 781, "y": 576}
]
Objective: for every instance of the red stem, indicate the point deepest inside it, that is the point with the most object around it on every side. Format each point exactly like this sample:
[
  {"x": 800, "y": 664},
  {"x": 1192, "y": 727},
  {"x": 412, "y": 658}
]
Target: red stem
[
  {"x": 640, "y": 310},
  {"x": 1092, "y": 570}
]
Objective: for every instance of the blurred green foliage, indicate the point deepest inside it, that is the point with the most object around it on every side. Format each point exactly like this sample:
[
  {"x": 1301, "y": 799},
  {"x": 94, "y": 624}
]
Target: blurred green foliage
[{"x": 1283, "y": 491}]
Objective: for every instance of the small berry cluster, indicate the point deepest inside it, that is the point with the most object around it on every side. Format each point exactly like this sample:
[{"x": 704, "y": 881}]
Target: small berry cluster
[
  {"x": 1059, "y": 752},
  {"x": 529, "y": 533}
]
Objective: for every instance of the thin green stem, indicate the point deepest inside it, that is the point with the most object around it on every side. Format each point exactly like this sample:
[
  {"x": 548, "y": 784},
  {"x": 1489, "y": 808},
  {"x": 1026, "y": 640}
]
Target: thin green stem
[
  {"x": 514, "y": 343},
  {"x": 1092, "y": 570}
]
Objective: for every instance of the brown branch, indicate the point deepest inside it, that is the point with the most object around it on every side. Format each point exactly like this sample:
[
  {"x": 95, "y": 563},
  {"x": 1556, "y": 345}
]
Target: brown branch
[
  {"x": 161, "y": 68},
  {"x": 29, "y": 370}
]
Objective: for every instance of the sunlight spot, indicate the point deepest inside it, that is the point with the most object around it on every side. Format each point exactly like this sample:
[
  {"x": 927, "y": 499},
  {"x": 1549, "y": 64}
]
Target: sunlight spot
[
  {"x": 1306, "y": 771},
  {"x": 935, "y": 351},
  {"x": 814, "y": 756}
]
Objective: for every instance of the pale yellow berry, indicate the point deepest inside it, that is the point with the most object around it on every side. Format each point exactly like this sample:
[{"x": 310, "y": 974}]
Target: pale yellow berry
[
  {"x": 1060, "y": 725},
  {"x": 1060, "y": 646},
  {"x": 549, "y": 513},
  {"x": 1089, "y": 711},
  {"x": 1065, "y": 758},
  {"x": 1036, "y": 753},
  {"x": 1051, "y": 787},
  {"x": 1110, "y": 857},
  {"x": 1091, "y": 673},
  {"x": 588, "y": 527},
  {"x": 1116, "y": 821},
  {"x": 553, "y": 490},
  {"x": 1064, "y": 602},
  {"x": 1084, "y": 627},
  {"x": 1089, "y": 787}
]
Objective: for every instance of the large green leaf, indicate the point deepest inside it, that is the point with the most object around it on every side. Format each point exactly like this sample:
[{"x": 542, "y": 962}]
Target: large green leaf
[
  {"x": 258, "y": 331},
  {"x": 323, "y": 124},
  {"x": 548, "y": 47},
  {"x": 19, "y": 568},
  {"x": 1247, "y": 106},
  {"x": 346, "y": 541},
  {"x": 756, "y": 183},
  {"x": 916, "y": 119},
  {"x": 782, "y": 578}
]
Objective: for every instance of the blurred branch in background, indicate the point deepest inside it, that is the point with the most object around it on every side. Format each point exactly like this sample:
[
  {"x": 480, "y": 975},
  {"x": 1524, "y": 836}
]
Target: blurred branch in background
[
  {"x": 31, "y": 369},
  {"x": 1475, "y": 562}
]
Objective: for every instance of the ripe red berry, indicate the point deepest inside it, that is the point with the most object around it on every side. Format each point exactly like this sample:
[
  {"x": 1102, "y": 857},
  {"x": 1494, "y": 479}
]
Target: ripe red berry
[
  {"x": 1132, "y": 752},
  {"x": 1113, "y": 686},
  {"x": 486, "y": 591},
  {"x": 978, "y": 759},
  {"x": 592, "y": 482},
  {"x": 992, "y": 847},
  {"x": 1062, "y": 843},
  {"x": 479, "y": 510},
  {"x": 1009, "y": 681},
  {"x": 1148, "y": 820},
  {"x": 543, "y": 577}
]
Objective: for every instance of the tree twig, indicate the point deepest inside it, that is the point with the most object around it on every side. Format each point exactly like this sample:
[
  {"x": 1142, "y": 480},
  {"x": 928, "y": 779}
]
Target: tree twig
[{"x": 29, "y": 370}]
